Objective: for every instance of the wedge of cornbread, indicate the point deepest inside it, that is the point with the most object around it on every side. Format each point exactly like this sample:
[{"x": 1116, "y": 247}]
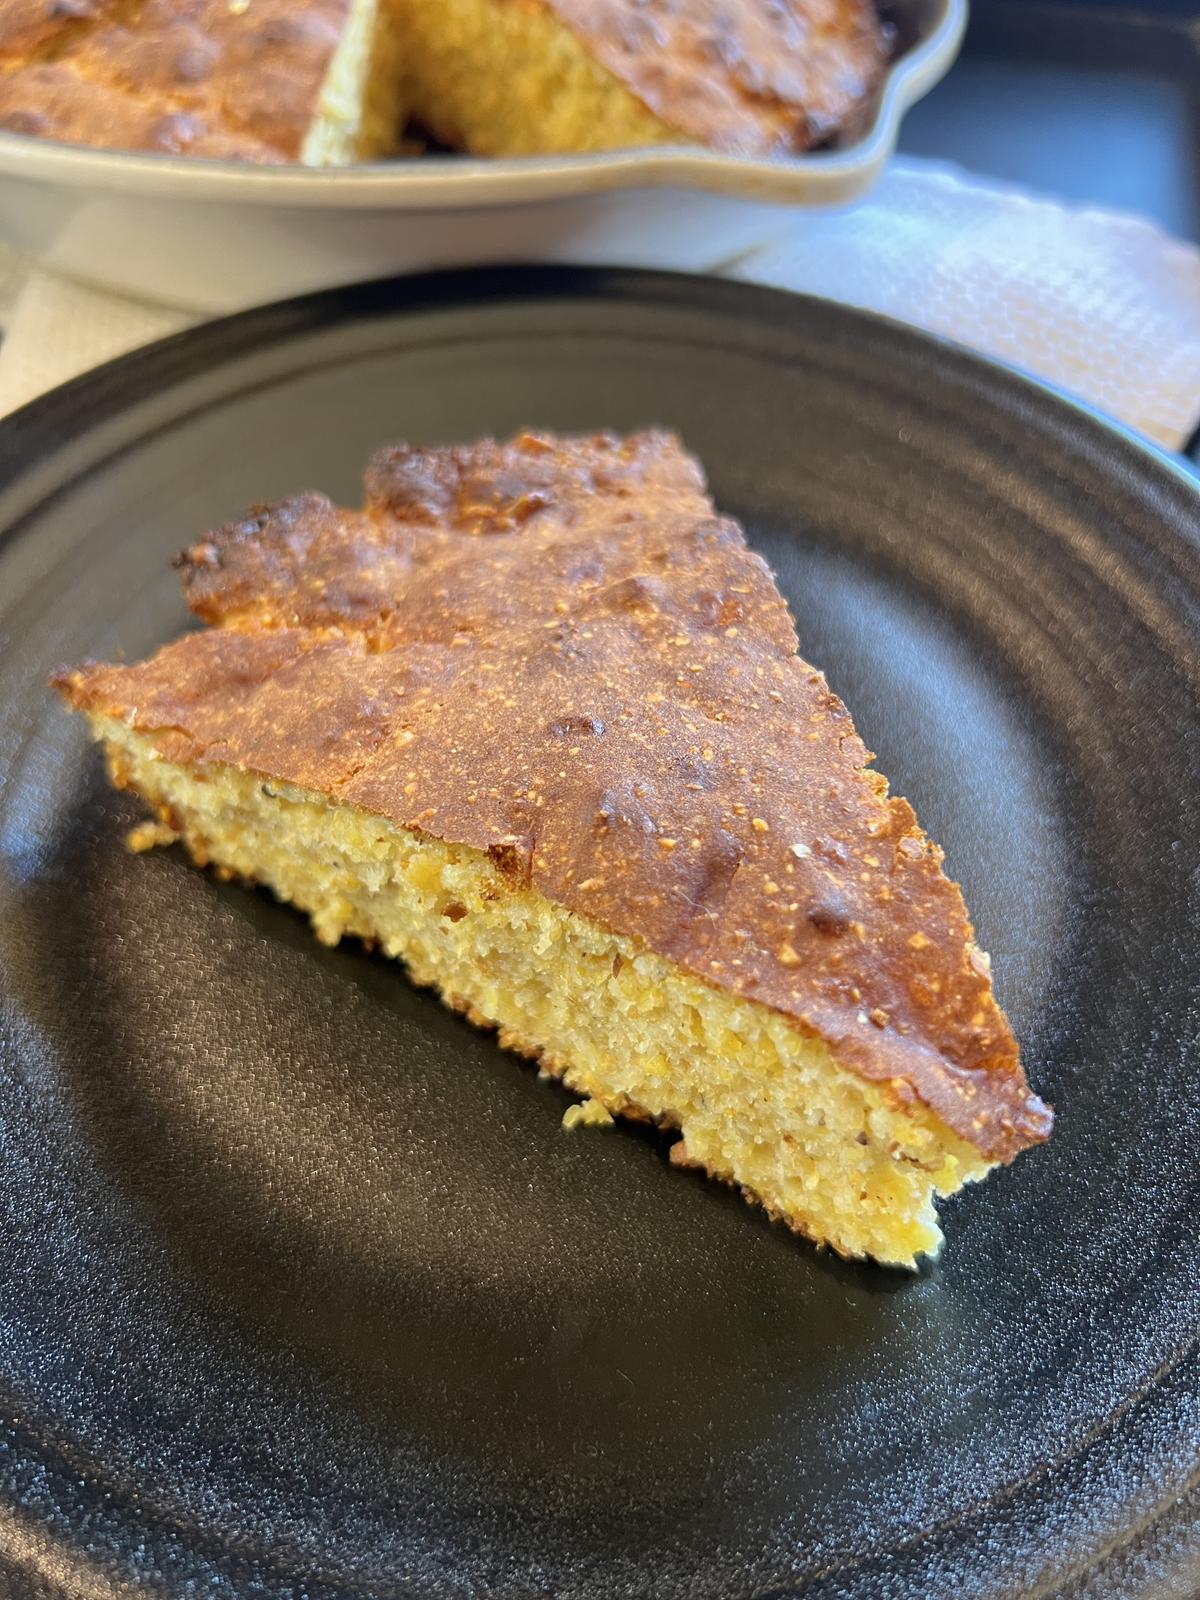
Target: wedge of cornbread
[
  {"x": 333, "y": 81},
  {"x": 534, "y": 722},
  {"x": 250, "y": 80}
]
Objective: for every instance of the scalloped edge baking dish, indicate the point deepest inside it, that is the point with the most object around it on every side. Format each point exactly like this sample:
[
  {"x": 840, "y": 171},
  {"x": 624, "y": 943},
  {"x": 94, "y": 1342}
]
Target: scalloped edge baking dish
[{"x": 179, "y": 231}]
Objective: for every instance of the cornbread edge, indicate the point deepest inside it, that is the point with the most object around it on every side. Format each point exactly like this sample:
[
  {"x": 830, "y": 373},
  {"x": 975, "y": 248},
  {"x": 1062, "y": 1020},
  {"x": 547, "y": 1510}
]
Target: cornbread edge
[{"x": 757, "y": 1102}]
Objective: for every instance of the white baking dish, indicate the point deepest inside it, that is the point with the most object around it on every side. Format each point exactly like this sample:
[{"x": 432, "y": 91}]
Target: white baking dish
[{"x": 214, "y": 236}]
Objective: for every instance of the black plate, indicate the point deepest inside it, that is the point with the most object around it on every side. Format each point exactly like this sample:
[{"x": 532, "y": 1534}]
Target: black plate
[{"x": 304, "y": 1292}]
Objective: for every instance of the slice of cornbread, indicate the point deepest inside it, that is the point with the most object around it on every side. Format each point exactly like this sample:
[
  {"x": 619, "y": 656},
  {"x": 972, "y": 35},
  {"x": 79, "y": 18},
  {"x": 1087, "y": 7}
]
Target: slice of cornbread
[
  {"x": 534, "y": 722},
  {"x": 263, "y": 81},
  {"x": 752, "y": 77}
]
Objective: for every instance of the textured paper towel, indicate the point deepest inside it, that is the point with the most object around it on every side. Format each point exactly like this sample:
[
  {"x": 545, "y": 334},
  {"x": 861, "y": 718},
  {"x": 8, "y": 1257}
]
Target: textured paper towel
[{"x": 1104, "y": 305}]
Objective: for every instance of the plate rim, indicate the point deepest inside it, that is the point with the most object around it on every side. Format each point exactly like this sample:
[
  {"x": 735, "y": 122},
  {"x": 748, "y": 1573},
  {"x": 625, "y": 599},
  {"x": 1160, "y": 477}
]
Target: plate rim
[{"x": 36, "y": 427}]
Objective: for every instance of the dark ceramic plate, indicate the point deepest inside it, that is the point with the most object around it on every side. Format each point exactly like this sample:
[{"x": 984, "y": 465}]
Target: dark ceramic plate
[{"x": 304, "y": 1292}]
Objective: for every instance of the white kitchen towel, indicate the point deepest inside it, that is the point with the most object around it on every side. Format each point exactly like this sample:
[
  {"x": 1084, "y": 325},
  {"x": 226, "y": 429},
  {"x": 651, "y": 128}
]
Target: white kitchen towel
[{"x": 1104, "y": 305}]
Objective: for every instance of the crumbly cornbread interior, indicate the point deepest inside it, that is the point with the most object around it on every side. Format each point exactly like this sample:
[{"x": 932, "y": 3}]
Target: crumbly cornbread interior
[
  {"x": 482, "y": 75},
  {"x": 362, "y": 100},
  {"x": 756, "y": 1102},
  {"x": 503, "y": 79}
]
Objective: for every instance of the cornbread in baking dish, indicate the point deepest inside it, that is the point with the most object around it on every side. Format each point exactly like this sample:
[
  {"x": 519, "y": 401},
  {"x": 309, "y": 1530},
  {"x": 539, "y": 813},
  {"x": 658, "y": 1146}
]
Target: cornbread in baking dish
[
  {"x": 330, "y": 82},
  {"x": 534, "y": 722}
]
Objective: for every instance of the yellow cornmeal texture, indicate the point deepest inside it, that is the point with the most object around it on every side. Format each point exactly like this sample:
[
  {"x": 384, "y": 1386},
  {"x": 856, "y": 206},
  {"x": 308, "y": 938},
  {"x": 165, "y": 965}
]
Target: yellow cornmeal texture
[
  {"x": 756, "y": 1102},
  {"x": 587, "y": 1114},
  {"x": 361, "y": 103},
  {"x": 505, "y": 79}
]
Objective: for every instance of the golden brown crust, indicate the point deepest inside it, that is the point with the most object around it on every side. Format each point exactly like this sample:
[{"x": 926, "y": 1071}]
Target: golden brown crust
[
  {"x": 191, "y": 77},
  {"x": 755, "y": 78},
  {"x": 28, "y": 28},
  {"x": 557, "y": 652},
  {"x": 56, "y": 101}
]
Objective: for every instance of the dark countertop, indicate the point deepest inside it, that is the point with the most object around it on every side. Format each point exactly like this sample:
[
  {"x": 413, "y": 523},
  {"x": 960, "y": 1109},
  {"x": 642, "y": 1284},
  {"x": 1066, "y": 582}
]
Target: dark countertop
[{"x": 1089, "y": 103}]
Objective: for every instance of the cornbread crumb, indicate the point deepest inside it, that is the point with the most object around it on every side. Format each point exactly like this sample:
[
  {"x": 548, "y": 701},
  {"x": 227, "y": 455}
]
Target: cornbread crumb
[
  {"x": 149, "y": 836},
  {"x": 587, "y": 1114}
]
